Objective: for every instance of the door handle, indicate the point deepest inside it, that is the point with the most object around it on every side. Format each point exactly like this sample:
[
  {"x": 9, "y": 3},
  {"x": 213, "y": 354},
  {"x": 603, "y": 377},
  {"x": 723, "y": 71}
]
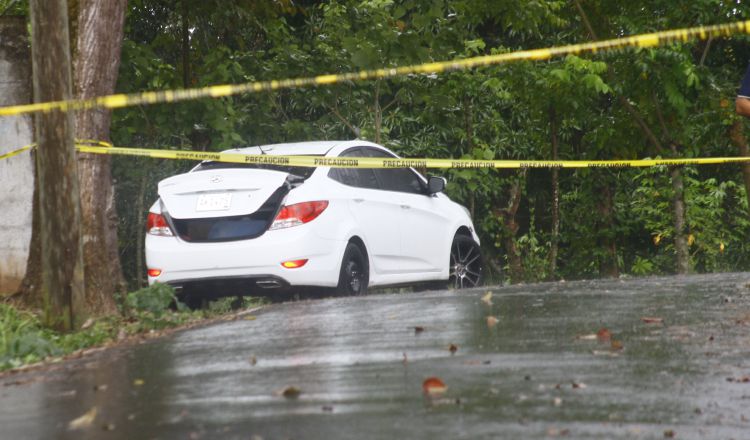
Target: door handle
[
  {"x": 358, "y": 200},
  {"x": 405, "y": 207}
]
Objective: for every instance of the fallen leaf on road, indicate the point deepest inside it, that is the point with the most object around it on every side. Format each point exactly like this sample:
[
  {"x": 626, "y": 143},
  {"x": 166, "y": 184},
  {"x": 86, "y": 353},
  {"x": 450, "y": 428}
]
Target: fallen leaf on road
[
  {"x": 249, "y": 318},
  {"x": 487, "y": 298},
  {"x": 84, "y": 421},
  {"x": 603, "y": 335},
  {"x": 578, "y": 385},
  {"x": 492, "y": 321},
  {"x": 291, "y": 392},
  {"x": 616, "y": 345},
  {"x": 418, "y": 329},
  {"x": 453, "y": 348},
  {"x": 557, "y": 401},
  {"x": 139, "y": 382},
  {"x": 669, "y": 433},
  {"x": 253, "y": 360},
  {"x": 589, "y": 337},
  {"x": 554, "y": 432},
  {"x": 652, "y": 320},
  {"x": 433, "y": 386},
  {"x": 743, "y": 379}
]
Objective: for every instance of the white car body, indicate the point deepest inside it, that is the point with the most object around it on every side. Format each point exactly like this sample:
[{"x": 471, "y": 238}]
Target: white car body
[{"x": 407, "y": 236}]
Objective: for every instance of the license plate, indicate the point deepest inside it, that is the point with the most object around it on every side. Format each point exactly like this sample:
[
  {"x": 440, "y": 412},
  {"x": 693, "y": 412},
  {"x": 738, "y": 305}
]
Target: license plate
[{"x": 214, "y": 202}]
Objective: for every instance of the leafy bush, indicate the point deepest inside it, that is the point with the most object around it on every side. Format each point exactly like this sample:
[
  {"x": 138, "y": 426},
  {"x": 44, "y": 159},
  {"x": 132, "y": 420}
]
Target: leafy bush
[
  {"x": 155, "y": 299},
  {"x": 22, "y": 340}
]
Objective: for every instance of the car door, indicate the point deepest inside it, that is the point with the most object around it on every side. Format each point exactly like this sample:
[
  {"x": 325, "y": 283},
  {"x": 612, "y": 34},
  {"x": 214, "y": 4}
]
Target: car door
[
  {"x": 424, "y": 225},
  {"x": 375, "y": 212}
]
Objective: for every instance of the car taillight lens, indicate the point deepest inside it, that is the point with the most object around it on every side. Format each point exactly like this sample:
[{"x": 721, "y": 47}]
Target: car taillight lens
[
  {"x": 298, "y": 214},
  {"x": 156, "y": 224},
  {"x": 154, "y": 272}
]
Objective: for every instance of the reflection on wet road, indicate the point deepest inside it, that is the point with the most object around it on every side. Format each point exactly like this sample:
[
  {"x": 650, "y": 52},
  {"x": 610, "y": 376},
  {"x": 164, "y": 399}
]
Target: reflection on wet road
[{"x": 539, "y": 371}]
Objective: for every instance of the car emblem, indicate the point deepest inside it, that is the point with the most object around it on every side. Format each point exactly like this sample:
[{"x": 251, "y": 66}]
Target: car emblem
[{"x": 215, "y": 179}]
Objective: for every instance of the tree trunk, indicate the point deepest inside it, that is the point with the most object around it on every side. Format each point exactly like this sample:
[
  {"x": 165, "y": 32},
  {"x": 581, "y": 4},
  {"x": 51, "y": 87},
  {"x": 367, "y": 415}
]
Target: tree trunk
[
  {"x": 378, "y": 113},
  {"x": 510, "y": 226},
  {"x": 62, "y": 283},
  {"x": 678, "y": 207},
  {"x": 30, "y": 292},
  {"x": 555, "y": 233},
  {"x": 605, "y": 228},
  {"x": 100, "y": 32},
  {"x": 740, "y": 141},
  {"x": 186, "y": 74},
  {"x": 140, "y": 232}
]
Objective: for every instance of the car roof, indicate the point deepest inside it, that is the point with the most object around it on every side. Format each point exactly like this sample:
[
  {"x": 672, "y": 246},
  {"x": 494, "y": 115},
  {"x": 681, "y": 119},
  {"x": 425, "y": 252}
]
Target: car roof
[{"x": 311, "y": 148}]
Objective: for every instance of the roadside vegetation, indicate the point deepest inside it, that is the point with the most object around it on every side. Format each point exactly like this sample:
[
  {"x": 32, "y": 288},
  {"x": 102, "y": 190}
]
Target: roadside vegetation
[
  {"x": 537, "y": 224},
  {"x": 674, "y": 101},
  {"x": 143, "y": 313}
]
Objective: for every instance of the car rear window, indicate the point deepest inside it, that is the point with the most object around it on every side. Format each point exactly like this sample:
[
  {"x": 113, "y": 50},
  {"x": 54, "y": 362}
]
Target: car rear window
[{"x": 303, "y": 172}]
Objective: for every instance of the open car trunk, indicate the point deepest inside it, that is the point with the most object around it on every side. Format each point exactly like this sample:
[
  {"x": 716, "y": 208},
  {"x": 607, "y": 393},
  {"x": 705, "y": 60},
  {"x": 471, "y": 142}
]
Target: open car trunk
[{"x": 223, "y": 204}]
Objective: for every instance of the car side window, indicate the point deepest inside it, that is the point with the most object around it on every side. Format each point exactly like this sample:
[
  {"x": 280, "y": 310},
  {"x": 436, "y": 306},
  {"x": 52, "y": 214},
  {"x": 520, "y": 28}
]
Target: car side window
[
  {"x": 396, "y": 179},
  {"x": 359, "y": 177}
]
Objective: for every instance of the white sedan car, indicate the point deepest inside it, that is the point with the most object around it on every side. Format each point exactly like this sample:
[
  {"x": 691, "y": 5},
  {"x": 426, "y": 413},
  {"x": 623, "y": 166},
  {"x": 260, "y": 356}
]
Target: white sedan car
[{"x": 226, "y": 229}]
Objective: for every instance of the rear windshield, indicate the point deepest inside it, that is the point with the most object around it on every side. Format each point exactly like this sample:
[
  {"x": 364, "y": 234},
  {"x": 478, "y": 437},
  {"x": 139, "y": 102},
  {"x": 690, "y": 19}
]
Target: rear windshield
[{"x": 303, "y": 172}]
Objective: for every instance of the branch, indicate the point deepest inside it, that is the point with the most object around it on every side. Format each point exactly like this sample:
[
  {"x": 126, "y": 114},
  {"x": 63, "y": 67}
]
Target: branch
[
  {"x": 586, "y": 21},
  {"x": 335, "y": 111},
  {"x": 385, "y": 107},
  {"x": 705, "y": 51},
  {"x": 660, "y": 116}
]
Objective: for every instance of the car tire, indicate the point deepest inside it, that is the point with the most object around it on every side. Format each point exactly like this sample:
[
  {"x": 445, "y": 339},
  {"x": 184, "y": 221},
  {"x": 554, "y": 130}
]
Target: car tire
[
  {"x": 466, "y": 267},
  {"x": 193, "y": 301},
  {"x": 354, "y": 274}
]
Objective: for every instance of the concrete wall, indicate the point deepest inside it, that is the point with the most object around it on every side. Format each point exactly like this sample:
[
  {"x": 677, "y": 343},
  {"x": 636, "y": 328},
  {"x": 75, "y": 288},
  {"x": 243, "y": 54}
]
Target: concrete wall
[{"x": 16, "y": 173}]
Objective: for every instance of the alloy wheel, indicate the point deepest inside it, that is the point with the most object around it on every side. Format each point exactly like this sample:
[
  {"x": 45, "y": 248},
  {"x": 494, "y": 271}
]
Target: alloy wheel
[{"x": 465, "y": 263}]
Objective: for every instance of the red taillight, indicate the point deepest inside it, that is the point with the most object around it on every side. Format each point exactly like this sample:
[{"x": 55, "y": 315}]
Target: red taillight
[
  {"x": 298, "y": 214},
  {"x": 154, "y": 272},
  {"x": 156, "y": 224},
  {"x": 293, "y": 264}
]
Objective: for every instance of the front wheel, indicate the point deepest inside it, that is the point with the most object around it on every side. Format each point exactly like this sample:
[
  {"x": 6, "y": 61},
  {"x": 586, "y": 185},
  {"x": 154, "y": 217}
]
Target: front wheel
[
  {"x": 354, "y": 275},
  {"x": 466, "y": 267}
]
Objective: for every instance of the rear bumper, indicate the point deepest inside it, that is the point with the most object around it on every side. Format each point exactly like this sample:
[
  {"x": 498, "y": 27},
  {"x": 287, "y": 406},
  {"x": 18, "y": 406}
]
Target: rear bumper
[
  {"x": 211, "y": 288},
  {"x": 252, "y": 262}
]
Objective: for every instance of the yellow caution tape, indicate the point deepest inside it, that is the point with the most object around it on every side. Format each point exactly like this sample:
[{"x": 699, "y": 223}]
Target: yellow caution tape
[
  {"x": 219, "y": 91},
  {"x": 17, "y": 152},
  {"x": 372, "y": 162},
  {"x": 102, "y": 147}
]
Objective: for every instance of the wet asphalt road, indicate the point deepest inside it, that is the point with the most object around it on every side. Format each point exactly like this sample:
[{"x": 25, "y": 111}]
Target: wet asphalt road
[{"x": 359, "y": 364}]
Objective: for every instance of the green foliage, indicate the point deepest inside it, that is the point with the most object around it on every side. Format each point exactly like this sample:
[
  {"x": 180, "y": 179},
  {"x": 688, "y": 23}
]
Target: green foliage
[
  {"x": 642, "y": 267},
  {"x": 681, "y": 93},
  {"x": 22, "y": 339},
  {"x": 155, "y": 300}
]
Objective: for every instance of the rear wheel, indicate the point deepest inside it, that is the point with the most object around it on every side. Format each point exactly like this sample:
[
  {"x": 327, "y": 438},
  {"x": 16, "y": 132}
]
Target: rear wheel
[
  {"x": 466, "y": 267},
  {"x": 354, "y": 275}
]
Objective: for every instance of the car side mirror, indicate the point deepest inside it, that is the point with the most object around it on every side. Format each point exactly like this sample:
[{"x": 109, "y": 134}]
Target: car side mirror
[{"x": 436, "y": 184}]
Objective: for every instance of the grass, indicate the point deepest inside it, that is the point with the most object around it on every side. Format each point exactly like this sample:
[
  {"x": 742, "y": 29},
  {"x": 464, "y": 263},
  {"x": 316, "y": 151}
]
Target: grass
[{"x": 23, "y": 340}]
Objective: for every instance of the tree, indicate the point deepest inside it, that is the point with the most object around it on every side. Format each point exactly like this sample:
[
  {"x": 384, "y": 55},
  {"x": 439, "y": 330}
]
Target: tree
[
  {"x": 62, "y": 284},
  {"x": 97, "y": 59}
]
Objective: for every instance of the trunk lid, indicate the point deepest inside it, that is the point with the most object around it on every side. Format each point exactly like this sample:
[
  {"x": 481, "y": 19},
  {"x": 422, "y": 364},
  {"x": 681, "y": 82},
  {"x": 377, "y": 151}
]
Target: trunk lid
[
  {"x": 223, "y": 204},
  {"x": 218, "y": 193}
]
